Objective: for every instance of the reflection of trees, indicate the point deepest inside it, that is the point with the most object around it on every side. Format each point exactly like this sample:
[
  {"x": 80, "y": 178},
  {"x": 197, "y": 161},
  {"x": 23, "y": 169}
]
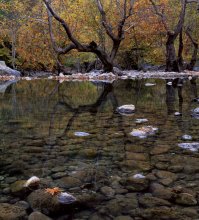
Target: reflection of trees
[
  {"x": 177, "y": 84},
  {"x": 106, "y": 95},
  {"x": 193, "y": 88}
]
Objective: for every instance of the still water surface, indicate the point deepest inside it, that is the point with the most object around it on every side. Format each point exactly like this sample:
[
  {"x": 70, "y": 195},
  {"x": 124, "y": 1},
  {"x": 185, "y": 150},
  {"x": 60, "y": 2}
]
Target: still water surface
[{"x": 71, "y": 136}]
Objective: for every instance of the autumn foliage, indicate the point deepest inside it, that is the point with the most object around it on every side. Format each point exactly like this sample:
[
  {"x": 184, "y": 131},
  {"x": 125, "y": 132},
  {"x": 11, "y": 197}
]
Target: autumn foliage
[{"x": 25, "y": 42}]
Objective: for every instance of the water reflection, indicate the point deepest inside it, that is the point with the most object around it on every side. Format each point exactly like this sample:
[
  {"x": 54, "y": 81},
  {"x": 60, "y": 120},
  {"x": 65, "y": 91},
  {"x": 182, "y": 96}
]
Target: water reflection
[{"x": 39, "y": 120}]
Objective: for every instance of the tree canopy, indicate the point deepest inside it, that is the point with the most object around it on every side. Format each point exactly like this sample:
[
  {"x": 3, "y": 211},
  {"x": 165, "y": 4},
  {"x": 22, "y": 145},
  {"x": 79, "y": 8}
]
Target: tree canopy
[{"x": 42, "y": 34}]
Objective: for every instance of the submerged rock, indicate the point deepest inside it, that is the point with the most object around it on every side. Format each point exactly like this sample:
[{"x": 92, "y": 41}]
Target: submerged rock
[
  {"x": 46, "y": 203},
  {"x": 195, "y": 113},
  {"x": 17, "y": 187},
  {"x": 177, "y": 114},
  {"x": 149, "y": 84},
  {"x": 126, "y": 109},
  {"x": 66, "y": 198},
  {"x": 186, "y": 137},
  {"x": 139, "y": 176},
  {"x": 38, "y": 216},
  {"x": 11, "y": 212},
  {"x": 148, "y": 200},
  {"x": 136, "y": 184},
  {"x": 108, "y": 191},
  {"x": 190, "y": 146},
  {"x": 195, "y": 100},
  {"x": 186, "y": 199},
  {"x": 141, "y": 120},
  {"x": 143, "y": 132},
  {"x": 81, "y": 134},
  {"x": 33, "y": 181}
]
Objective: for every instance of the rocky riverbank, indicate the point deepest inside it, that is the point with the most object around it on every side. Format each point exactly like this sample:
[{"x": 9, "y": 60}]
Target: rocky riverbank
[{"x": 106, "y": 77}]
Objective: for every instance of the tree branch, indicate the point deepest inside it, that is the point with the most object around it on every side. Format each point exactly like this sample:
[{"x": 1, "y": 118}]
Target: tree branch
[
  {"x": 105, "y": 23},
  {"x": 161, "y": 15},
  {"x": 64, "y": 24}
]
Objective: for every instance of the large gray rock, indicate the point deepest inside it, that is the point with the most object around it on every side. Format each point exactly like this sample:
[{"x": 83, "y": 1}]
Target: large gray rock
[
  {"x": 12, "y": 212},
  {"x": 7, "y": 71},
  {"x": 2, "y": 63}
]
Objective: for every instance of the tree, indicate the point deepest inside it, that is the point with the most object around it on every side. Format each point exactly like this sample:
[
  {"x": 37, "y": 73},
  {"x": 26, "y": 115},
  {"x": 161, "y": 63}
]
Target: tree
[
  {"x": 172, "y": 63},
  {"x": 117, "y": 35}
]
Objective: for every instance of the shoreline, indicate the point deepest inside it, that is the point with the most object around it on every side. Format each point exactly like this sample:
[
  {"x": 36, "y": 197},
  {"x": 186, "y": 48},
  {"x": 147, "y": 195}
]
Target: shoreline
[{"x": 107, "y": 77}]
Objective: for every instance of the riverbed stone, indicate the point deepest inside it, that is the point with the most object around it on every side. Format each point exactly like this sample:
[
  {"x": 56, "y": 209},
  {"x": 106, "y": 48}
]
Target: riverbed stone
[
  {"x": 12, "y": 212},
  {"x": 46, "y": 203},
  {"x": 162, "y": 192},
  {"x": 186, "y": 199},
  {"x": 123, "y": 217},
  {"x": 160, "y": 150},
  {"x": 136, "y": 184},
  {"x": 88, "y": 153},
  {"x": 58, "y": 175},
  {"x": 17, "y": 187},
  {"x": 166, "y": 177},
  {"x": 122, "y": 204},
  {"x": 161, "y": 213},
  {"x": 137, "y": 156},
  {"x": 148, "y": 200},
  {"x": 68, "y": 182},
  {"x": 136, "y": 164},
  {"x": 38, "y": 216},
  {"x": 107, "y": 191}
]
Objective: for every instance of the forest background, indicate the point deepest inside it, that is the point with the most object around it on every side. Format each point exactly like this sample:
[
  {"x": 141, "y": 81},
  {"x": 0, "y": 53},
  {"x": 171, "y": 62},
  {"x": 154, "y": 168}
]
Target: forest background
[{"x": 27, "y": 42}]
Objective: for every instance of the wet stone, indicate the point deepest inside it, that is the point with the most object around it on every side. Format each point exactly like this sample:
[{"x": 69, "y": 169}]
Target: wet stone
[
  {"x": 123, "y": 217},
  {"x": 186, "y": 199},
  {"x": 166, "y": 177},
  {"x": 160, "y": 150},
  {"x": 46, "y": 203},
  {"x": 137, "y": 156},
  {"x": 58, "y": 169},
  {"x": 9, "y": 212},
  {"x": 10, "y": 180},
  {"x": 58, "y": 175},
  {"x": 68, "y": 182},
  {"x": 161, "y": 213},
  {"x": 88, "y": 153},
  {"x": 150, "y": 201},
  {"x": 108, "y": 191},
  {"x": 135, "y": 184},
  {"x": 38, "y": 216},
  {"x": 18, "y": 187}
]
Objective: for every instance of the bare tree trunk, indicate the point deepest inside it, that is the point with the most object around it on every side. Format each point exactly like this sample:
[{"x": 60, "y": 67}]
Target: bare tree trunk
[
  {"x": 171, "y": 59},
  {"x": 13, "y": 47},
  {"x": 192, "y": 63},
  {"x": 180, "y": 50}
]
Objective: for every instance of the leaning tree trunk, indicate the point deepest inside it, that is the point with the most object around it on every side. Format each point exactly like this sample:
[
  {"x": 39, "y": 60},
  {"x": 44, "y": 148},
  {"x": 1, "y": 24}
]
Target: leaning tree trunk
[{"x": 171, "y": 59}]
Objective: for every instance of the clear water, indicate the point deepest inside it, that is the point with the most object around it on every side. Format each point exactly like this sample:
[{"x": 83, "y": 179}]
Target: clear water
[{"x": 38, "y": 121}]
